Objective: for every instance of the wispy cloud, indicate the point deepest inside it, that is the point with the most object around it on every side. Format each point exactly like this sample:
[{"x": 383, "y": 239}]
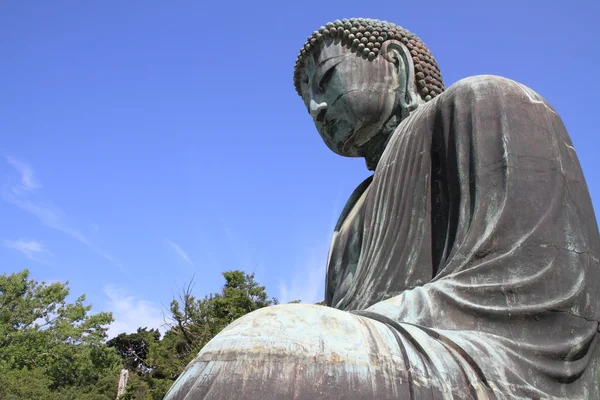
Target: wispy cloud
[
  {"x": 308, "y": 283},
  {"x": 29, "y": 248},
  {"x": 131, "y": 312},
  {"x": 179, "y": 251},
  {"x": 27, "y": 182},
  {"x": 23, "y": 195}
]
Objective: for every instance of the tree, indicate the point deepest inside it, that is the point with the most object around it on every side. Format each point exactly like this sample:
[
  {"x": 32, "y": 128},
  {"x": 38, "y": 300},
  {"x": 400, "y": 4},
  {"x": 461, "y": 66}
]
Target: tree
[
  {"x": 134, "y": 348},
  {"x": 193, "y": 322},
  {"x": 50, "y": 347}
]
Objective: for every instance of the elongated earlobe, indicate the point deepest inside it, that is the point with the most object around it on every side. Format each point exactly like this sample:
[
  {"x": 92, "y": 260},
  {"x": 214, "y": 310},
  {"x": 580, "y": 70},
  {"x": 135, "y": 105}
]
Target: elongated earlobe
[
  {"x": 408, "y": 98},
  {"x": 411, "y": 97}
]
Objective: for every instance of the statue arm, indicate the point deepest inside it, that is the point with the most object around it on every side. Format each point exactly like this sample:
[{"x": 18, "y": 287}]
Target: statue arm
[{"x": 518, "y": 238}]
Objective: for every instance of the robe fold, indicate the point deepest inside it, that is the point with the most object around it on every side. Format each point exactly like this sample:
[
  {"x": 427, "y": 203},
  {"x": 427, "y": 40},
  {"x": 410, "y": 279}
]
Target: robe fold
[{"x": 476, "y": 240}]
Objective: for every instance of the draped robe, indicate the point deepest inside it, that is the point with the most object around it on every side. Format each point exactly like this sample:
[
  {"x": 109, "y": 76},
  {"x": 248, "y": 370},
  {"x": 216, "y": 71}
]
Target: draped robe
[
  {"x": 467, "y": 266},
  {"x": 477, "y": 237}
]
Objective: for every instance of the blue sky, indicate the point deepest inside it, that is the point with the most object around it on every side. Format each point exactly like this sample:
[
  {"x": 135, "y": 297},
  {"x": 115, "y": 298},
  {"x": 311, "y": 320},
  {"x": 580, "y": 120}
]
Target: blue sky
[{"x": 143, "y": 143}]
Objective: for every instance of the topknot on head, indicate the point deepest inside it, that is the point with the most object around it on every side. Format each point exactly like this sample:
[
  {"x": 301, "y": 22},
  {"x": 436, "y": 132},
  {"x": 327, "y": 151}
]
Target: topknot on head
[{"x": 365, "y": 36}]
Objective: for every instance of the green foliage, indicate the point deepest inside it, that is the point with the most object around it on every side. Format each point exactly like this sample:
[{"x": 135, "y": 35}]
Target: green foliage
[
  {"x": 146, "y": 388},
  {"x": 25, "y": 383},
  {"x": 50, "y": 348},
  {"x": 134, "y": 348},
  {"x": 193, "y": 322},
  {"x": 53, "y": 349}
]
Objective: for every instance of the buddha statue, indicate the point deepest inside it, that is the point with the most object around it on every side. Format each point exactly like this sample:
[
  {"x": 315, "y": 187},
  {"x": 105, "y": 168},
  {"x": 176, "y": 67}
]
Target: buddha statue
[{"x": 466, "y": 267}]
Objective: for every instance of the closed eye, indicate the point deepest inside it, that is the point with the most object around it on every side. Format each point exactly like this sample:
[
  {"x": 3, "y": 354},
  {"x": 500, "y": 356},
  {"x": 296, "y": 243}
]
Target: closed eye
[{"x": 326, "y": 78}]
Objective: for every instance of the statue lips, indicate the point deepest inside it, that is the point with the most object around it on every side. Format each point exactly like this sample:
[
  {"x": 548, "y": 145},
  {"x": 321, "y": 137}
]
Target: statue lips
[
  {"x": 326, "y": 127},
  {"x": 337, "y": 141},
  {"x": 350, "y": 140}
]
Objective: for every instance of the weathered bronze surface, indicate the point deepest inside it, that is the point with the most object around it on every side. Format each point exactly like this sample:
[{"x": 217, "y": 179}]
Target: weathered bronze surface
[{"x": 466, "y": 267}]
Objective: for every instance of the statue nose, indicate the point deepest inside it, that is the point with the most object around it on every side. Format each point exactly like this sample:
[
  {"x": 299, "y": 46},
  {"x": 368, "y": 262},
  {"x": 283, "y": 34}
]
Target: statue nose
[{"x": 317, "y": 110}]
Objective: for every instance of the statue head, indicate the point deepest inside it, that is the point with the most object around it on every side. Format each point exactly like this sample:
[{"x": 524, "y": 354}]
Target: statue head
[{"x": 359, "y": 78}]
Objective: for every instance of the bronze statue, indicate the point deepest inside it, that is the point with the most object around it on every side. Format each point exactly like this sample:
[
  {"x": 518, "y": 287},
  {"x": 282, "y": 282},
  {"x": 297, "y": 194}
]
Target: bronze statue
[{"x": 465, "y": 267}]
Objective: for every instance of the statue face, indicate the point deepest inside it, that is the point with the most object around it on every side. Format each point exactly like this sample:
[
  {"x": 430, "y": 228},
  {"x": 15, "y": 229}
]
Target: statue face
[{"x": 349, "y": 98}]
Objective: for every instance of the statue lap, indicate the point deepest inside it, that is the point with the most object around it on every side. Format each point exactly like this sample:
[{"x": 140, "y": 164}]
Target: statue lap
[{"x": 301, "y": 351}]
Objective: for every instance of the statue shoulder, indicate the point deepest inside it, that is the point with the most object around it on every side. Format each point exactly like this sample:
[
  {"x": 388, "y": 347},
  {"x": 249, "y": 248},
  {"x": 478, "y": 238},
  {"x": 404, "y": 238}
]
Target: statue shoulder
[
  {"x": 481, "y": 87},
  {"x": 488, "y": 97},
  {"x": 485, "y": 82}
]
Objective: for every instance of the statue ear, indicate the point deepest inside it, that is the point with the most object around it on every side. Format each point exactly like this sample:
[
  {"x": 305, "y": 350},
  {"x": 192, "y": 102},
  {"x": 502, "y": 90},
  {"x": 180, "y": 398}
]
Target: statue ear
[{"x": 398, "y": 54}]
